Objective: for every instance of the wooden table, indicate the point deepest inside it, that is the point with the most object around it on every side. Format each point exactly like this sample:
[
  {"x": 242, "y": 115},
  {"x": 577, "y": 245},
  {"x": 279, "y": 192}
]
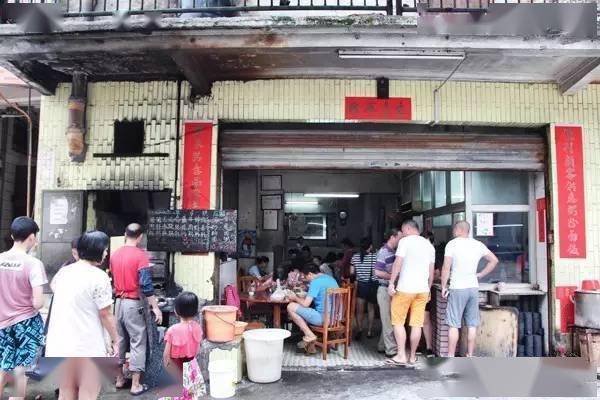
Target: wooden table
[{"x": 263, "y": 298}]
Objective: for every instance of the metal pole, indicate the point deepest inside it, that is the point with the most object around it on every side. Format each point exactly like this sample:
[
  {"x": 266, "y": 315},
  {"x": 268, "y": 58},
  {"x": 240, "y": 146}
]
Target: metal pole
[{"x": 29, "y": 156}]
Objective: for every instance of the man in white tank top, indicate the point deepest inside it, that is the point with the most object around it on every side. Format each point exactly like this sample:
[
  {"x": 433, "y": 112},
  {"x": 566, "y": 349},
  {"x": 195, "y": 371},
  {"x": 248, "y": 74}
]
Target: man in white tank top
[{"x": 461, "y": 259}]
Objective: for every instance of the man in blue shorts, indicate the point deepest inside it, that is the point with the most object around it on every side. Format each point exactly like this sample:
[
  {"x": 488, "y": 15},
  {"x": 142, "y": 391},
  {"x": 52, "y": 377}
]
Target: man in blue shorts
[
  {"x": 22, "y": 280},
  {"x": 300, "y": 310}
]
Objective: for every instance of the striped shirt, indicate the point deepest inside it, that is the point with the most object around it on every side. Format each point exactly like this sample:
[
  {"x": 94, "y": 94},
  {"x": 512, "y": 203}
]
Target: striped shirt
[
  {"x": 364, "y": 269},
  {"x": 385, "y": 262}
]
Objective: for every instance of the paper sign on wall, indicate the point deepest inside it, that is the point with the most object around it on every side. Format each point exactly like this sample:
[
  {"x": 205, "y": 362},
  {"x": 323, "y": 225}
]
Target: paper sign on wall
[
  {"x": 197, "y": 161},
  {"x": 485, "y": 224},
  {"x": 59, "y": 211}
]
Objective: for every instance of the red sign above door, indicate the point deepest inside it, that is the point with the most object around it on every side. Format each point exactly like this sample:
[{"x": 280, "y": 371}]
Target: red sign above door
[
  {"x": 371, "y": 108},
  {"x": 571, "y": 199}
]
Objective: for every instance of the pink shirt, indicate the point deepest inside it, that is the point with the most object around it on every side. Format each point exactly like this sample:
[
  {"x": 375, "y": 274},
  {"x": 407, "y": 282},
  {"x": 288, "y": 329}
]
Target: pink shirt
[
  {"x": 294, "y": 278},
  {"x": 185, "y": 338},
  {"x": 19, "y": 274}
]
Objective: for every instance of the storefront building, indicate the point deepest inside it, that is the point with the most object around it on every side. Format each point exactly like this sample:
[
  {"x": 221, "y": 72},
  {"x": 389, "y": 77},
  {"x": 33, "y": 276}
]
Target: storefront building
[{"x": 283, "y": 127}]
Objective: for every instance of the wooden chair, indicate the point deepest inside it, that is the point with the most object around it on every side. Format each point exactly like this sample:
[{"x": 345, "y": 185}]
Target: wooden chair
[
  {"x": 336, "y": 321},
  {"x": 245, "y": 282},
  {"x": 256, "y": 310},
  {"x": 352, "y": 286}
]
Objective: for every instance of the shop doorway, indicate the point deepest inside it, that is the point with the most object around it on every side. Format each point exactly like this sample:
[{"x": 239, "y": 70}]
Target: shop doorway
[
  {"x": 284, "y": 179},
  {"x": 115, "y": 209}
]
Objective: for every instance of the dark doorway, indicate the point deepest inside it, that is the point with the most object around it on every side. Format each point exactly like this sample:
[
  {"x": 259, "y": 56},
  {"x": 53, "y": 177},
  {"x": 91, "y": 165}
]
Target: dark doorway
[{"x": 116, "y": 209}]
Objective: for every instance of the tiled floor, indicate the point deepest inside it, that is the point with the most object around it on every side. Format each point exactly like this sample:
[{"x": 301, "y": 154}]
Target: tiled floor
[{"x": 362, "y": 354}]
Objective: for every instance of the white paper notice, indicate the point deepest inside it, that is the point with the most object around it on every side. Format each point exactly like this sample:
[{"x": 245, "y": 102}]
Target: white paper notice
[
  {"x": 485, "y": 224},
  {"x": 59, "y": 211}
]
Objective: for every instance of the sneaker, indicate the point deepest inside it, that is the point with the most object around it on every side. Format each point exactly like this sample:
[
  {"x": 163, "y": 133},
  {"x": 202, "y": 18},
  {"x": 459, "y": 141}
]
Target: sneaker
[
  {"x": 358, "y": 336},
  {"x": 429, "y": 353}
]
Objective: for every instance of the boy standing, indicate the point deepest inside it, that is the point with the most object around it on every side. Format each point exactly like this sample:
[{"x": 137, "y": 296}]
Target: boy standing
[{"x": 22, "y": 278}]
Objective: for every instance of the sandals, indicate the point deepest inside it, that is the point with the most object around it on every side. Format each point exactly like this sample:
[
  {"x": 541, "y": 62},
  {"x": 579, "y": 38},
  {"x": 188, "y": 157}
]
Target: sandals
[
  {"x": 145, "y": 388},
  {"x": 309, "y": 345},
  {"x": 394, "y": 363}
]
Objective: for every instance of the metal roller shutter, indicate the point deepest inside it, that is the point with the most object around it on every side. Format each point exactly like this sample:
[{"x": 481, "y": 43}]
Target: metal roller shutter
[{"x": 386, "y": 150}]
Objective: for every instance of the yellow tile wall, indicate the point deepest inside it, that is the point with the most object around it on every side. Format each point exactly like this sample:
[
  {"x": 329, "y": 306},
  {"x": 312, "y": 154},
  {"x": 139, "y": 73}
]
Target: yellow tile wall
[{"x": 305, "y": 101}]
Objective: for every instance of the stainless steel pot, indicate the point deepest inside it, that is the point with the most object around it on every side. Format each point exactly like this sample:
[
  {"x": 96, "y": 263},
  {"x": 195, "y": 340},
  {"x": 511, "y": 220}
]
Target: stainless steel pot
[{"x": 587, "y": 308}]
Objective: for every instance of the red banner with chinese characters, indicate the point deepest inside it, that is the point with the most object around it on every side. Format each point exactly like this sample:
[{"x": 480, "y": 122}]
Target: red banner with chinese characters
[
  {"x": 371, "y": 108},
  {"x": 197, "y": 157},
  {"x": 571, "y": 197}
]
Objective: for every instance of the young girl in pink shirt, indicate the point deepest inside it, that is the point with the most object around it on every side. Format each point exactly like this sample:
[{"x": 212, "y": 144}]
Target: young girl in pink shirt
[{"x": 182, "y": 340}]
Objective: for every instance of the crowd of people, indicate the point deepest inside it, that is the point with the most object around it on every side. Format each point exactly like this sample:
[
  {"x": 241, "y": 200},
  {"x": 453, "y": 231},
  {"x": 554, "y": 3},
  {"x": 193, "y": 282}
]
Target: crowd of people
[
  {"x": 82, "y": 288},
  {"x": 394, "y": 280}
]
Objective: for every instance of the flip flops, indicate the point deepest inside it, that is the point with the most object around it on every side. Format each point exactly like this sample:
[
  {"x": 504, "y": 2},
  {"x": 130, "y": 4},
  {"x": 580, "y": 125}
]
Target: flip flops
[
  {"x": 145, "y": 388},
  {"x": 394, "y": 363},
  {"x": 309, "y": 345}
]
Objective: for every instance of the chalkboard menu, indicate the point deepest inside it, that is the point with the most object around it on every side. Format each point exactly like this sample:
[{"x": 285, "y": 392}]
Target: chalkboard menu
[{"x": 192, "y": 230}]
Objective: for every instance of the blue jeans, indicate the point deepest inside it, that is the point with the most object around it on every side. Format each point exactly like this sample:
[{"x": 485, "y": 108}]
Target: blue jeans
[{"x": 310, "y": 315}]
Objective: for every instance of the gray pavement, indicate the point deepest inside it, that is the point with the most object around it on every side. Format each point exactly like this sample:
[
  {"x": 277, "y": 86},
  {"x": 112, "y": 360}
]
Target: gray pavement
[{"x": 380, "y": 383}]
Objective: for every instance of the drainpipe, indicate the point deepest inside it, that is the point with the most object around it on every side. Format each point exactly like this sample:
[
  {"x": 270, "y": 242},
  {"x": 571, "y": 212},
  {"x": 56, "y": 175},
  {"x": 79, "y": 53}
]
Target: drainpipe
[
  {"x": 436, "y": 92},
  {"x": 171, "y": 285},
  {"x": 29, "y": 148},
  {"x": 76, "y": 125}
]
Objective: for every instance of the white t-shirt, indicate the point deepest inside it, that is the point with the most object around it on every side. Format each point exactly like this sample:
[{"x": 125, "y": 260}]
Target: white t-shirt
[
  {"x": 466, "y": 254},
  {"x": 75, "y": 330},
  {"x": 417, "y": 255}
]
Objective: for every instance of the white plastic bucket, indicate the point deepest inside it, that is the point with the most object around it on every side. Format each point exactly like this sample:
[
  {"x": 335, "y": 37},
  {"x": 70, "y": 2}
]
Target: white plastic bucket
[
  {"x": 222, "y": 378},
  {"x": 264, "y": 354}
]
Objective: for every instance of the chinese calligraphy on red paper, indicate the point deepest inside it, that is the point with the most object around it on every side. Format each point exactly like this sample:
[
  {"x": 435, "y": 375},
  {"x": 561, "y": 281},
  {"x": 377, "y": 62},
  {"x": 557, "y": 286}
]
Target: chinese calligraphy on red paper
[
  {"x": 571, "y": 199},
  {"x": 370, "y": 108},
  {"x": 197, "y": 156}
]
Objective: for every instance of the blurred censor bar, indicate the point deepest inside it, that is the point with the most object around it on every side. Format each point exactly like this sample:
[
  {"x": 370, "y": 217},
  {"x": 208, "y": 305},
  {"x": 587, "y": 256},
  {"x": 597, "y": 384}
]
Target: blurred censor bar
[
  {"x": 569, "y": 377},
  {"x": 568, "y": 20}
]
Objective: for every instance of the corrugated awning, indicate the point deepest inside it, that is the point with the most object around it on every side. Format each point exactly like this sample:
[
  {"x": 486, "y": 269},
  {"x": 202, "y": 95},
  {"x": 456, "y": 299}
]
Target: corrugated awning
[{"x": 387, "y": 150}]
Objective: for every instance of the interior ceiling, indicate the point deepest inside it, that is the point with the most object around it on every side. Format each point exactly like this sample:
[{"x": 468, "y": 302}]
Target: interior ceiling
[{"x": 222, "y": 64}]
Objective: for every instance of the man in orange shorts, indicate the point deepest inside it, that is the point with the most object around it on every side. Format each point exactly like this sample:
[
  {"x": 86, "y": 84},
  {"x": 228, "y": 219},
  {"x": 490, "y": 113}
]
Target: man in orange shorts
[{"x": 415, "y": 258}]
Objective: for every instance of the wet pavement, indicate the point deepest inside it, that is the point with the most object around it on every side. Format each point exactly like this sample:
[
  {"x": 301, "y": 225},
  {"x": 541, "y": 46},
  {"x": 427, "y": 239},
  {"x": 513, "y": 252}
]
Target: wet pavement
[{"x": 381, "y": 383}]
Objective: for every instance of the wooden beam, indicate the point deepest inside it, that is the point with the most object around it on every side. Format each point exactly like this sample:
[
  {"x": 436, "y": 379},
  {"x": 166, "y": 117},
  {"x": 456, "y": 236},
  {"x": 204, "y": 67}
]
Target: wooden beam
[
  {"x": 578, "y": 76},
  {"x": 195, "y": 71},
  {"x": 30, "y": 76}
]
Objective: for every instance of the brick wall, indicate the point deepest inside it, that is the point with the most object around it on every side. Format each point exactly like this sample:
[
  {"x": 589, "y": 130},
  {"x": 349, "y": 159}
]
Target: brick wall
[{"x": 500, "y": 104}]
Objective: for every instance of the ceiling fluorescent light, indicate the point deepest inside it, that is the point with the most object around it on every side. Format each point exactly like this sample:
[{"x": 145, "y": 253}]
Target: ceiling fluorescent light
[
  {"x": 302, "y": 203},
  {"x": 401, "y": 54},
  {"x": 333, "y": 195}
]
